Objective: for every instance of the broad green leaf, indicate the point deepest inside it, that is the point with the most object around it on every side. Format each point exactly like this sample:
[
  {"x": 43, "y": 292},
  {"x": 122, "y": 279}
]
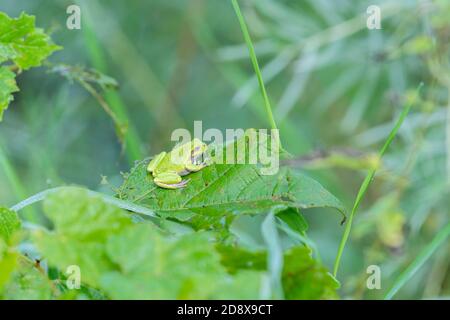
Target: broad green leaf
[
  {"x": 9, "y": 223},
  {"x": 294, "y": 219},
  {"x": 7, "y": 87},
  {"x": 157, "y": 267},
  {"x": 225, "y": 190},
  {"x": 28, "y": 283},
  {"x": 82, "y": 224},
  {"x": 23, "y": 43},
  {"x": 305, "y": 278},
  {"x": 8, "y": 262},
  {"x": 302, "y": 276},
  {"x": 236, "y": 258},
  {"x": 128, "y": 260}
]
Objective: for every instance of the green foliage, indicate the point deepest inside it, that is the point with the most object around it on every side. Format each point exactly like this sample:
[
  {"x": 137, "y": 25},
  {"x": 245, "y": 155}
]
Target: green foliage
[
  {"x": 82, "y": 225},
  {"x": 25, "y": 46},
  {"x": 219, "y": 192},
  {"x": 22, "y": 43},
  {"x": 125, "y": 260},
  {"x": 222, "y": 191},
  {"x": 120, "y": 259},
  {"x": 7, "y": 87},
  {"x": 370, "y": 175},
  {"x": 8, "y": 263},
  {"x": 156, "y": 267},
  {"x": 28, "y": 282},
  {"x": 335, "y": 87},
  {"x": 302, "y": 276},
  {"x": 9, "y": 224}
]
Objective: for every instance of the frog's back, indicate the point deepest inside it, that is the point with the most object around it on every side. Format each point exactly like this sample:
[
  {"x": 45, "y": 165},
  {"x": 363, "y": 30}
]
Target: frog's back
[{"x": 166, "y": 165}]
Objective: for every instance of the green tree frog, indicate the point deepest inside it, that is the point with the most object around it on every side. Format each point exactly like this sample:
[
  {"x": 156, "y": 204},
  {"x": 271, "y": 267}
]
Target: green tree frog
[{"x": 167, "y": 169}]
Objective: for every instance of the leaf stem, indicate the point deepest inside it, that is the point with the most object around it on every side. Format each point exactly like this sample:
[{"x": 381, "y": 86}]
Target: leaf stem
[{"x": 365, "y": 185}]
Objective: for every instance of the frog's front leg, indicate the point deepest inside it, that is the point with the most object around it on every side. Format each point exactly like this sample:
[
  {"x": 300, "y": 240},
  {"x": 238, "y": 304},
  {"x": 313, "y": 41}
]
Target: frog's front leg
[
  {"x": 170, "y": 180},
  {"x": 193, "y": 167},
  {"x": 190, "y": 167}
]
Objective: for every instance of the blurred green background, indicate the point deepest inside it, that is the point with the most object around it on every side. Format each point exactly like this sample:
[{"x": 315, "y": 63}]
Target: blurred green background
[{"x": 336, "y": 88}]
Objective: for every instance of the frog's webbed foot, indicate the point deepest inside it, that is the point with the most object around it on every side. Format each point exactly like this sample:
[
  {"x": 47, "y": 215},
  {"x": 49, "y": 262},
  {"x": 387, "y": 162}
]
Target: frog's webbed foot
[{"x": 170, "y": 180}]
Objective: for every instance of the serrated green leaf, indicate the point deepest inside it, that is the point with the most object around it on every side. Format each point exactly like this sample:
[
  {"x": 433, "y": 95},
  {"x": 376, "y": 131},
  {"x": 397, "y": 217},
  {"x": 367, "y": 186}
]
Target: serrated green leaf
[
  {"x": 23, "y": 43},
  {"x": 9, "y": 223},
  {"x": 7, "y": 87},
  {"x": 156, "y": 267},
  {"x": 82, "y": 224},
  {"x": 224, "y": 190}
]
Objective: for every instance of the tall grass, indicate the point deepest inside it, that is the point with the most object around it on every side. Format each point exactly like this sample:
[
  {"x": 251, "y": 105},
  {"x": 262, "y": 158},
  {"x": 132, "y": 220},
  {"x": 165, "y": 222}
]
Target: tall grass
[
  {"x": 418, "y": 262},
  {"x": 365, "y": 185},
  {"x": 131, "y": 140},
  {"x": 17, "y": 187},
  {"x": 254, "y": 60}
]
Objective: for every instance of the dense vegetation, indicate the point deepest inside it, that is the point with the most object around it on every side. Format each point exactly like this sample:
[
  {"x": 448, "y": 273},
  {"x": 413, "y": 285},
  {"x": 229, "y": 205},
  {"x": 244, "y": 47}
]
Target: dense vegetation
[{"x": 362, "y": 113}]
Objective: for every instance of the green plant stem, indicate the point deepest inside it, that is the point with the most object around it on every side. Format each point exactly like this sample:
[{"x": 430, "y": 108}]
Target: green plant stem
[
  {"x": 365, "y": 185},
  {"x": 252, "y": 53},
  {"x": 423, "y": 256}
]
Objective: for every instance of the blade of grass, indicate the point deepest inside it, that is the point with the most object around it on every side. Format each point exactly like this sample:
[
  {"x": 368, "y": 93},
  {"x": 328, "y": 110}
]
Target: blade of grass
[
  {"x": 254, "y": 60},
  {"x": 365, "y": 185},
  {"x": 236, "y": 76},
  {"x": 126, "y": 205},
  {"x": 275, "y": 255},
  {"x": 16, "y": 184},
  {"x": 418, "y": 262},
  {"x": 131, "y": 139},
  {"x": 447, "y": 135},
  {"x": 137, "y": 69}
]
